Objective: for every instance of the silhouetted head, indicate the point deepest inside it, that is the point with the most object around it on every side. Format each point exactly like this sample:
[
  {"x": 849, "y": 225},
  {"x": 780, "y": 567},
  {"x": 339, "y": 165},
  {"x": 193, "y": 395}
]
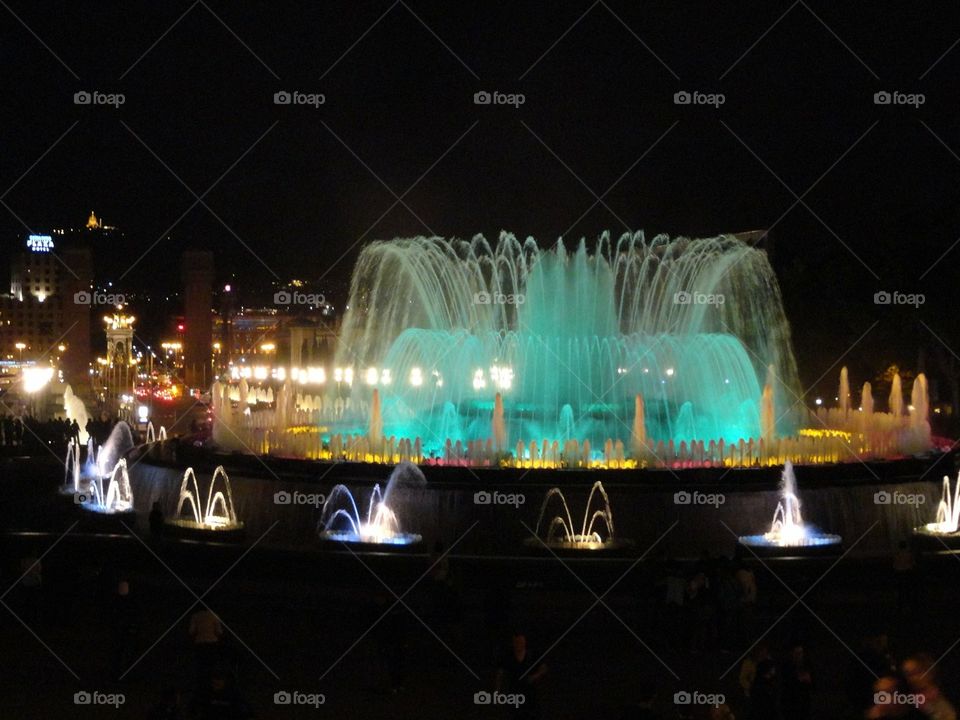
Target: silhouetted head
[{"x": 519, "y": 643}]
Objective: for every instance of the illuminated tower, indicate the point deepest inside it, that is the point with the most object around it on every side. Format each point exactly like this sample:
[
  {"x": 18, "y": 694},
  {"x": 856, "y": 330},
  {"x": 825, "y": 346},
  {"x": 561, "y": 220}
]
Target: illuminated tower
[
  {"x": 197, "y": 275},
  {"x": 120, "y": 371}
]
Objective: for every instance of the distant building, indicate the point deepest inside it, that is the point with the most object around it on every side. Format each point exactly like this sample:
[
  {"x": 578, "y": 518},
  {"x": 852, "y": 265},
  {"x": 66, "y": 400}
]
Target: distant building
[{"x": 46, "y": 314}]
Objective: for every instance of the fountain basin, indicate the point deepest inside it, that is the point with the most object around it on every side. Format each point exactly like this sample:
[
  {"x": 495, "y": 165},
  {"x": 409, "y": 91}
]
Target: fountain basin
[
  {"x": 368, "y": 542},
  {"x": 94, "y": 518},
  {"x": 810, "y": 545},
  {"x": 184, "y": 529},
  {"x": 578, "y": 544},
  {"x": 928, "y": 538}
]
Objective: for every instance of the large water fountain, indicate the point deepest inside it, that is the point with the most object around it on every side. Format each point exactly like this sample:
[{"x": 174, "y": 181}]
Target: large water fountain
[
  {"x": 788, "y": 530},
  {"x": 637, "y": 353},
  {"x": 596, "y": 532},
  {"x": 341, "y": 520},
  {"x": 569, "y": 339}
]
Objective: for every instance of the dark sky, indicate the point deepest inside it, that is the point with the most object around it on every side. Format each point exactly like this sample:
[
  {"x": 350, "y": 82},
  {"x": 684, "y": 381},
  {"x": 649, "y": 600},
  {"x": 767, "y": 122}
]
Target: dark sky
[{"x": 599, "y": 79}]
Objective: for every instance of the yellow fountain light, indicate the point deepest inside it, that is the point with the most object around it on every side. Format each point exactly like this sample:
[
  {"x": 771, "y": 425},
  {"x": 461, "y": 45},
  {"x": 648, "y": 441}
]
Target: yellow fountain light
[
  {"x": 268, "y": 347},
  {"x": 824, "y": 433},
  {"x": 338, "y": 374},
  {"x": 371, "y": 376},
  {"x": 348, "y": 375},
  {"x": 386, "y": 377},
  {"x": 416, "y": 376}
]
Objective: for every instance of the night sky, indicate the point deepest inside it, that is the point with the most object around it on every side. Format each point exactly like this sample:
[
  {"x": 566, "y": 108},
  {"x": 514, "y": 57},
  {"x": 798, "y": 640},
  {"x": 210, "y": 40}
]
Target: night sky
[{"x": 303, "y": 188}]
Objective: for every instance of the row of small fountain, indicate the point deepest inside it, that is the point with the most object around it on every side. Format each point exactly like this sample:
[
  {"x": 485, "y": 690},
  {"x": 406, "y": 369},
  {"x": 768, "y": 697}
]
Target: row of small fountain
[{"x": 102, "y": 485}]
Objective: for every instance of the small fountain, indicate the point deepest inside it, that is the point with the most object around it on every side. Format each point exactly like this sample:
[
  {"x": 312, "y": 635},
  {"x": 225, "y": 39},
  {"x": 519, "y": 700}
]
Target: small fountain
[
  {"x": 118, "y": 444},
  {"x": 109, "y": 494},
  {"x": 943, "y": 532},
  {"x": 340, "y": 520},
  {"x": 71, "y": 468},
  {"x": 788, "y": 531},
  {"x": 560, "y": 532},
  {"x": 216, "y": 520}
]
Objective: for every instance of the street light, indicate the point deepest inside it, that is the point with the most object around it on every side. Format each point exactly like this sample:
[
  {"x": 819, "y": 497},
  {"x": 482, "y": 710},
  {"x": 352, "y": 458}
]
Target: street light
[{"x": 20, "y": 346}]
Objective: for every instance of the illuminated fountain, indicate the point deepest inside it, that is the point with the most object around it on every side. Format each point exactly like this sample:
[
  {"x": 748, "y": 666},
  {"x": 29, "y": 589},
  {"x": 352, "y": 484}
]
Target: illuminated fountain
[
  {"x": 568, "y": 339},
  {"x": 71, "y": 468},
  {"x": 340, "y": 520},
  {"x": 788, "y": 531},
  {"x": 216, "y": 518},
  {"x": 633, "y": 353},
  {"x": 109, "y": 494},
  {"x": 103, "y": 485},
  {"x": 943, "y": 533},
  {"x": 153, "y": 436},
  {"x": 595, "y": 533},
  {"x": 118, "y": 444}
]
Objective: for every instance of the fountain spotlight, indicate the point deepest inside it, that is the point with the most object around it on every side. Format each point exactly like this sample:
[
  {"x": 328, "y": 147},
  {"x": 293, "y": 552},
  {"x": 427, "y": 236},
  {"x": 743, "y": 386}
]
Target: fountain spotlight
[
  {"x": 560, "y": 533},
  {"x": 788, "y": 535}
]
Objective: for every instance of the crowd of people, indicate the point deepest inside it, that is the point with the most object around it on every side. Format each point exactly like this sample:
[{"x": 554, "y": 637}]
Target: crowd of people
[
  {"x": 707, "y": 610},
  {"x": 30, "y": 433}
]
